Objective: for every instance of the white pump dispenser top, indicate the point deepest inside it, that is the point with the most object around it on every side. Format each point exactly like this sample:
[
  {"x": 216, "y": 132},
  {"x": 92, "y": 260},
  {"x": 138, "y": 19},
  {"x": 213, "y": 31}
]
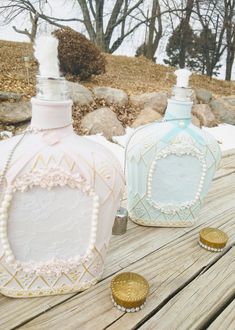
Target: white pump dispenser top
[
  {"x": 181, "y": 91},
  {"x": 52, "y": 106},
  {"x": 46, "y": 52},
  {"x": 183, "y": 76}
]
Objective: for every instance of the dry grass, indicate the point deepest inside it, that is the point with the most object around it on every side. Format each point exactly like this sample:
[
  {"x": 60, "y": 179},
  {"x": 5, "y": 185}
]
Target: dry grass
[
  {"x": 139, "y": 75},
  {"x": 134, "y": 75},
  {"x": 12, "y": 68}
]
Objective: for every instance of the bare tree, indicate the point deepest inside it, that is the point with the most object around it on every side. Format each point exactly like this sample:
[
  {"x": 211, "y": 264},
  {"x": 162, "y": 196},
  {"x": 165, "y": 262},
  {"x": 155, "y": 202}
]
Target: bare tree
[
  {"x": 181, "y": 11},
  {"x": 10, "y": 9},
  {"x": 211, "y": 16},
  {"x": 124, "y": 19},
  {"x": 185, "y": 23},
  {"x": 153, "y": 31},
  {"x": 107, "y": 34},
  {"x": 31, "y": 34},
  {"x": 229, "y": 21},
  {"x": 156, "y": 27}
]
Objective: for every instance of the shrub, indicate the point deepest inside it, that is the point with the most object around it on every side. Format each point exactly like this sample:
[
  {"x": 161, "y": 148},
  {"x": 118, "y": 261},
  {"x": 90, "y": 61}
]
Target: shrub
[{"x": 77, "y": 55}]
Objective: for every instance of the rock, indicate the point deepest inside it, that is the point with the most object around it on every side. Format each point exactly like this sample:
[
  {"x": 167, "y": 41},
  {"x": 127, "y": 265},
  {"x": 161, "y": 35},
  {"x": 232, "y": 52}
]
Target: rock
[
  {"x": 20, "y": 128},
  {"x": 228, "y": 102},
  {"x": 146, "y": 116},
  {"x": 205, "y": 115},
  {"x": 12, "y": 113},
  {"x": 80, "y": 94},
  {"x": 203, "y": 95},
  {"x": 194, "y": 97},
  {"x": 222, "y": 113},
  {"x": 156, "y": 101},
  {"x": 196, "y": 121},
  {"x": 6, "y": 96},
  {"x": 102, "y": 121},
  {"x": 111, "y": 95}
]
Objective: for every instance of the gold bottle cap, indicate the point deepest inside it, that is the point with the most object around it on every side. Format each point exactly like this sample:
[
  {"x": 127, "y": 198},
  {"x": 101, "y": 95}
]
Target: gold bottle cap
[
  {"x": 129, "y": 291},
  {"x": 213, "y": 239}
]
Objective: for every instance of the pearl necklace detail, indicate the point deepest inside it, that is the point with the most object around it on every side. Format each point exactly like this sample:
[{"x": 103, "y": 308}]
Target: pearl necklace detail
[
  {"x": 127, "y": 310},
  {"x": 179, "y": 148},
  {"x": 45, "y": 180},
  {"x": 180, "y": 121},
  {"x": 209, "y": 248}
]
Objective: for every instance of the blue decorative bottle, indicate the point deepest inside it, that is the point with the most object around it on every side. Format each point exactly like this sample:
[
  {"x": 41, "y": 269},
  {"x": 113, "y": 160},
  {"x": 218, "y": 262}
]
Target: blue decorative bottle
[{"x": 170, "y": 165}]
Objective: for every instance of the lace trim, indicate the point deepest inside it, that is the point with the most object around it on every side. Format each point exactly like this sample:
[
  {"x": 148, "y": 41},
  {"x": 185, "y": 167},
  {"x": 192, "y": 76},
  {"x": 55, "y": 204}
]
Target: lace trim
[{"x": 49, "y": 178}]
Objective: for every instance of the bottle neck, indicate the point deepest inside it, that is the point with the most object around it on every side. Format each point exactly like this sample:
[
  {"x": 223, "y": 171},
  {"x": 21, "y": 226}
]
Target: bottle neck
[
  {"x": 51, "y": 114},
  {"x": 178, "y": 110}
]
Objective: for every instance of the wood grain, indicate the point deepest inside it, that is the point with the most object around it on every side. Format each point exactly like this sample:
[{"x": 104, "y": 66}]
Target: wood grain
[
  {"x": 195, "y": 305},
  {"x": 137, "y": 250},
  {"x": 226, "y": 320},
  {"x": 167, "y": 269}
]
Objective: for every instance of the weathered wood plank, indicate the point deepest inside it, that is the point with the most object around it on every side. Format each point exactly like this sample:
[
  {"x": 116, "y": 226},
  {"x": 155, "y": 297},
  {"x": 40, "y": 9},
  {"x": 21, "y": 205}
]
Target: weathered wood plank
[
  {"x": 227, "y": 164},
  {"x": 139, "y": 241},
  {"x": 195, "y": 305},
  {"x": 226, "y": 320},
  {"x": 166, "y": 269},
  {"x": 124, "y": 250}
]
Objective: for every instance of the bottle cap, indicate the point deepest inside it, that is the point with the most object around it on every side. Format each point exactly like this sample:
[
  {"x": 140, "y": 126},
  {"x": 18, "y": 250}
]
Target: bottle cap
[
  {"x": 129, "y": 291},
  {"x": 213, "y": 239}
]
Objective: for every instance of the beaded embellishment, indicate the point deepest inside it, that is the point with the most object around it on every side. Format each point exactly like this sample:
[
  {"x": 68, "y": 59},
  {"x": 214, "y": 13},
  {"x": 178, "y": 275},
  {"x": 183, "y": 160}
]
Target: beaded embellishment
[
  {"x": 48, "y": 179},
  {"x": 179, "y": 148}
]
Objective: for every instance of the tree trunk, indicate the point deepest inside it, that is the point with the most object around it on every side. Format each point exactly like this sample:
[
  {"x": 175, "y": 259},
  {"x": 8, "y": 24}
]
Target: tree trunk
[
  {"x": 100, "y": 37},
  {"x": 185, "y": 24},
  {"x": 153, "y": 40},
  {"x": 229, "y": 64},
  {"x": 34, "y": 20}
]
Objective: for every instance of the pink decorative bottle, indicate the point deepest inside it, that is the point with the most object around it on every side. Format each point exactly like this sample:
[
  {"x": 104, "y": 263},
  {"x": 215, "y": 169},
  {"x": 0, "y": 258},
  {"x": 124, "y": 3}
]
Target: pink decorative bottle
[{"x": 59, "y": 193}]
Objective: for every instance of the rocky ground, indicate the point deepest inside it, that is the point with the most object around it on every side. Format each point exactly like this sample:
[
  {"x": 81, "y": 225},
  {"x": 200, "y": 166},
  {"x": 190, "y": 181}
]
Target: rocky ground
[{"x": 132, "y": 92}]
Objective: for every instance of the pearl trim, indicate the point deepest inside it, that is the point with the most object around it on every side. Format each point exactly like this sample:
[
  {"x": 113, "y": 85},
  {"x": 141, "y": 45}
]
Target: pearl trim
[
  {"x": 26, "y": 182},
  {"x": 127, "y": 310},
  {"x": 180, "y": 147},
  {"x": 209, "y": 248}
]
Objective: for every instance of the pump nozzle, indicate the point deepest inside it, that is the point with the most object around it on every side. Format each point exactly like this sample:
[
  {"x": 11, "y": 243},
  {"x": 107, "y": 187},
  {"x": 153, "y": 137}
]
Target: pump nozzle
[
  {"x": 50, "y": 86},
  {"x": 182, "y": 77},
  {"x": 46, "y": 52},
  {"x": 182, "y": 91}
]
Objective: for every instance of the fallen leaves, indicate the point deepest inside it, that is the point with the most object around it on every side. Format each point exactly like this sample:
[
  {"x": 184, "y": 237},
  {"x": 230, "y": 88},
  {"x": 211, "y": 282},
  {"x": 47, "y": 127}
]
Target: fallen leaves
[{"x": 134, "y": 75}]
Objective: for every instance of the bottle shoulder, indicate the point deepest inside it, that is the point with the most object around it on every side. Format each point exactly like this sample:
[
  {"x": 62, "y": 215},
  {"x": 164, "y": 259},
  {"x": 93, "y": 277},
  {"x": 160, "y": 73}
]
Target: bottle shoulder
[
  {"x": 73, "y": 154},
  {"x": 160, "y": 134}
]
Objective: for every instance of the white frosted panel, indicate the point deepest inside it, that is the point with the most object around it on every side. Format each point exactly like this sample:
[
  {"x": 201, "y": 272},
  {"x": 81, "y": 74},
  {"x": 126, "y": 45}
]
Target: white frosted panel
[
  {"x": 45, "y": 224},
  {"x": 176, "y": 179}
]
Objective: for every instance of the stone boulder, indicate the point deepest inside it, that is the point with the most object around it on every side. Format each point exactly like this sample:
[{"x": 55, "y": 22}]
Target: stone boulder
[
  {"x": 80, "y": 94},
  {"x": 222, "y": 113},
  {"x": 204, "y": 114},
  {"x": 194, "y": 97},
  {"x": 7, "y": 96},
  {"x": 228, "y": 102},
  {"x": 20, "y": 128},
  {"x": 196, "y": 121},
  {"x": 102, "y": 121},
  {"x": 156, "y": 101},
  {"x": 146, "y": 116},
  {"x": 203, "y": 95},
  {"x": 111, "y": 95},
  {"x": 13, "y": 113}
]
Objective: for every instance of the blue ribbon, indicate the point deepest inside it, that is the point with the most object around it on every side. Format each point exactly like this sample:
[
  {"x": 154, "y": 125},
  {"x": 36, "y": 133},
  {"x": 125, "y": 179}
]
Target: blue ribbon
[{"x": 178, "y": 129}]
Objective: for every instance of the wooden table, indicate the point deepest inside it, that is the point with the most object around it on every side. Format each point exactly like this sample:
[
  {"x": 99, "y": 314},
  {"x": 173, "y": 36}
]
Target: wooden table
[{"x": 190, "y": 288}]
